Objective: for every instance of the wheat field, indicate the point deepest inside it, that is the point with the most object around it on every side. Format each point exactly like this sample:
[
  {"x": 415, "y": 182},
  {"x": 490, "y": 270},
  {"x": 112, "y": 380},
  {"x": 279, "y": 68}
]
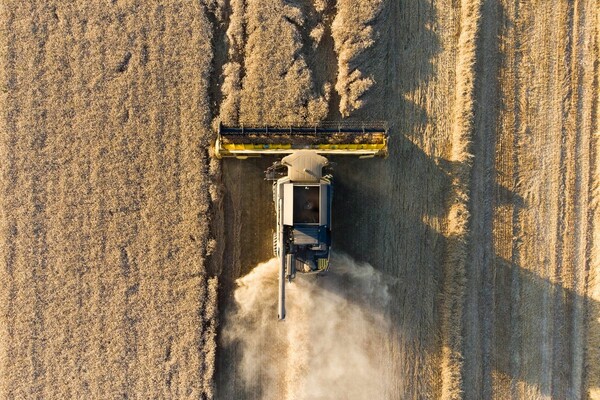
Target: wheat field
[
  {"x": 121, "y": 237},
  {"x": 106, "y": 285}
]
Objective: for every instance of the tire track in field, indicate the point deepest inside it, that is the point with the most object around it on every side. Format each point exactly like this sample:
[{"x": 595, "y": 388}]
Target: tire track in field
[
  {"x": 566, "y": 341},
  {"x": 591, "y": 376},
  {"x": 508, "y": 205},
  {"x": 582, "y": 96},
  {"x": 587, "y": 303},
  {"x": 478, "y": 319},
  {"x": 518, "y": 92},
  {"x": 563, "y": 345},
  {"x": 550, "y": 99},
  {"x": 561, "y": 361},
  {"x": 579, "y": 86},
  {"x": 509, "y": 202}
]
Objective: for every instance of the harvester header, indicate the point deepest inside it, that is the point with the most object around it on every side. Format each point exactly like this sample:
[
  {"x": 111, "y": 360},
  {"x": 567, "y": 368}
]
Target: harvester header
[{"x": 364, "y": 139}]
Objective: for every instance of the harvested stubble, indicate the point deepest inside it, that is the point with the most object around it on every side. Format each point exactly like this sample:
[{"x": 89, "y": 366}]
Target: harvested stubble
[
  {"x": 486, "y": 210},
  {"x": 533, "y": 253}
]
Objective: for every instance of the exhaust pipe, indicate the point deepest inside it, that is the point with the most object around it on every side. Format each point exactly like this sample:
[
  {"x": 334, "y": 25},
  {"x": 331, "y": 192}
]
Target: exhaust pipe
[
  {"x": 281, "y": 305},
  {"x": 280, "y": 244}
]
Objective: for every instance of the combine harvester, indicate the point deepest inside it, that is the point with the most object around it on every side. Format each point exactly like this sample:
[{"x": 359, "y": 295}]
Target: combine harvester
[{"x": 302, "y": 194}]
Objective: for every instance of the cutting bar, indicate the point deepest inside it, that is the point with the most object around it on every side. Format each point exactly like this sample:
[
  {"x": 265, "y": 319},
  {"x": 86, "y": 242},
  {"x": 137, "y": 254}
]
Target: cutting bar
[{"x": 361, "y": 139}]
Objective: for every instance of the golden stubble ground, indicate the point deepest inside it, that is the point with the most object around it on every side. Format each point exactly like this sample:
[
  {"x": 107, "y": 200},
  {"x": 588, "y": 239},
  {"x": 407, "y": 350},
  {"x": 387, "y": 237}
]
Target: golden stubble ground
[
  {"x": 484, "y": 218},
  {"x": 532, "y": 294}
]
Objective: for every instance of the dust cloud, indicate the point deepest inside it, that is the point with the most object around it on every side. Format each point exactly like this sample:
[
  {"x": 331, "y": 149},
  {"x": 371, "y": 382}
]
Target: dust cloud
[{"x": 333, "y": 343}]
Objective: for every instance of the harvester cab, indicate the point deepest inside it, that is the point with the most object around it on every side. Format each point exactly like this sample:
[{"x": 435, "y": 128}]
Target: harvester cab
[{"x": 302, "y": 193}]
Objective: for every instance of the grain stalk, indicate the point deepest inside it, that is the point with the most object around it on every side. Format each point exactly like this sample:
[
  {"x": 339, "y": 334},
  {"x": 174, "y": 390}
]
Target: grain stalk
[{"x": 353, "y": 33}]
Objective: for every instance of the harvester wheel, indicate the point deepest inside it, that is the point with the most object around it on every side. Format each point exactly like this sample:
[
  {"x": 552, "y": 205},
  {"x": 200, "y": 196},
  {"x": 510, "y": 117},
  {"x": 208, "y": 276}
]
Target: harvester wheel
[{"x": 275, "y": 244}]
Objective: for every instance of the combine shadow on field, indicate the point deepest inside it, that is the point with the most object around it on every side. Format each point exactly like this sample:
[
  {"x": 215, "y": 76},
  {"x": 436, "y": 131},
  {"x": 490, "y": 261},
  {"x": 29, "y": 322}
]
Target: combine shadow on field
[
  {"x": 390, "y": 212},
  {"x": 386, "y": 211},
  {"x": 377, "y": 222},
  {"x": 554, "y": 334},
  {"x": 509, "y": 305}
]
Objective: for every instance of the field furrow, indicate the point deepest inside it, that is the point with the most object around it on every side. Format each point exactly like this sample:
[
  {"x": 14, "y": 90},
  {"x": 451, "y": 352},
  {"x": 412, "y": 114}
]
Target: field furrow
[{"x": 479, "y": 318}]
